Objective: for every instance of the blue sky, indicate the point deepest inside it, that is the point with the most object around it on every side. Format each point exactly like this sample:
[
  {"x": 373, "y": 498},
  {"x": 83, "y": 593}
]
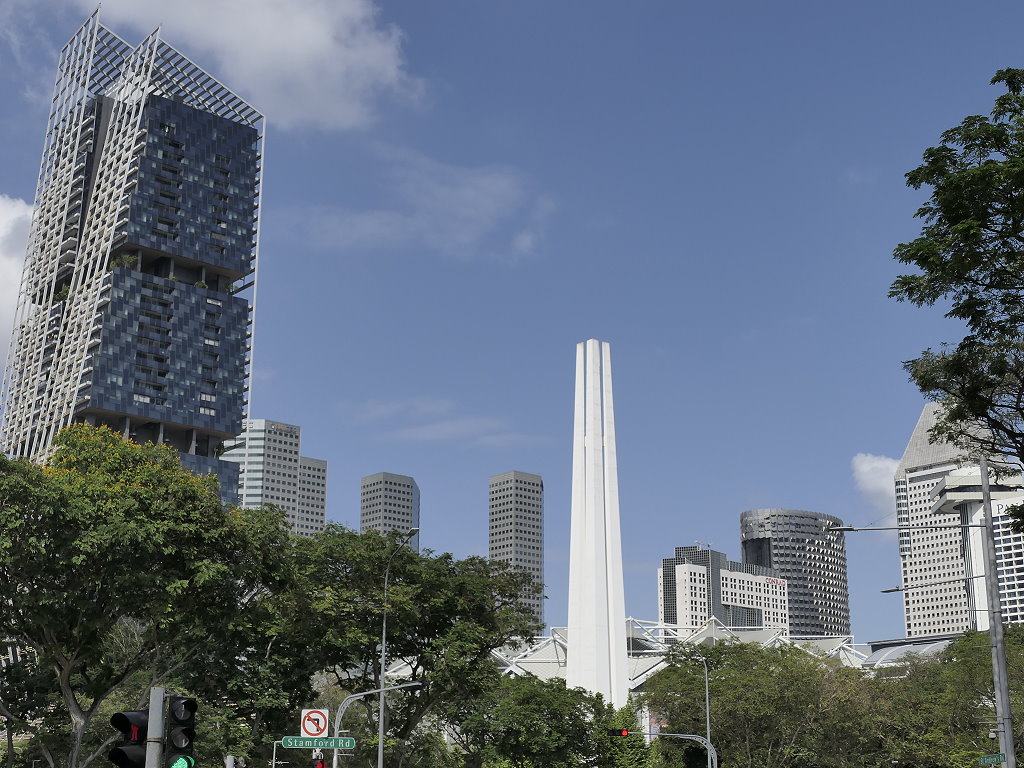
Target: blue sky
[{"x": 458, "y": 192}]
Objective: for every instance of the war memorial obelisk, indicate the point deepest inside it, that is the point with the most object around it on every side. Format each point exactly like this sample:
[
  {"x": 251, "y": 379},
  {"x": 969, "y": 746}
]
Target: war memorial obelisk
[{"x": 596, "y": 658}]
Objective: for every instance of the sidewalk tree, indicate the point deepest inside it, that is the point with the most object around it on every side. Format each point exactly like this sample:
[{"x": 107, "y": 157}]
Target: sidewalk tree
[
  {"x": 970, "y": 253},
  {"x": 445, "y": 617},
  {"x": 115, "y": 562}
]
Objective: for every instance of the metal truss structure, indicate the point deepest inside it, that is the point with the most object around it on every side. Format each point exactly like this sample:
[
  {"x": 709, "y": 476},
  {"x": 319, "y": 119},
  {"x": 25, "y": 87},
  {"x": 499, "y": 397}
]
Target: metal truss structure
[
  {"x": 649, "y": 641},
  {"x": 81, "y": 214}
]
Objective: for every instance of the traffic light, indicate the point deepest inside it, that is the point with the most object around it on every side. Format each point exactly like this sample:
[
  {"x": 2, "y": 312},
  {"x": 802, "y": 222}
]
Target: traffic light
[
  {"x": 181, "y": 732},
  {"x": 618, "y": 731},
  {"x": 319, "y": 762},
  {"x": 131, "y": 754}
]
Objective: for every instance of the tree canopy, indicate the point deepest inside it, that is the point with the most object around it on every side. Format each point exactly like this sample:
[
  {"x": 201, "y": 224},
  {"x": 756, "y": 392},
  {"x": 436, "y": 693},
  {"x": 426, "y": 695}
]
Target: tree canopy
[{"x": 970, "y": 253}]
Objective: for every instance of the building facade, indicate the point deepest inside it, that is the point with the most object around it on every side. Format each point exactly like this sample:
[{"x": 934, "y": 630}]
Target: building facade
[
  {"x": 697, "y": 584},
  {"x": 799, "y": 546},
  {"x": 272, "y": 470},
  {"x": 516, "y": 527},
  {"x": 932, "y": 557},
  {"x": 133, "y": 310},
  {"x": 959, "y": 494},
  {"x": 390, "y": 503}
]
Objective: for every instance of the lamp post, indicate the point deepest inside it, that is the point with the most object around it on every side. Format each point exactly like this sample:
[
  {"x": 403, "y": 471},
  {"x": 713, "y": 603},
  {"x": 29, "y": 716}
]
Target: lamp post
[
  {"x": 1000, "y": 678},
  {"x": 707, "y": 704},
  {"x": 384, "y": 643}
]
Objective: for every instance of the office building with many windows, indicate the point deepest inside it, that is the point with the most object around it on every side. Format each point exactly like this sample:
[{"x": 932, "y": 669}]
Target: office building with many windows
[
  {"x": 802, "y": 549},
  {"x": 388, "y": 503},
  {"x": 134, "y": 306},
  {"x": 931, "y": 557},
  {"x": 272, "y": 470},
  {"x": 698, "y": 584},
  {"x": 516, "y": 527}
]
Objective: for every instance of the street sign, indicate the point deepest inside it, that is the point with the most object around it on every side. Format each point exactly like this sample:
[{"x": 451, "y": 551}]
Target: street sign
[
  {"x": 321, "y": 742},
  {"x": 992, "y": 759},
  {"x": 313, "y": 722}
]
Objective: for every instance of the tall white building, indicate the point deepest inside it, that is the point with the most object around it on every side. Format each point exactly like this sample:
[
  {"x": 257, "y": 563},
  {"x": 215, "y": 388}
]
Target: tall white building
[
  {"x": 698, "y": 584},
  {"x": 516, "y": 527},
  {"x": 932, "y": 556},
  {"x": 596, "y": 659},
  {"x": 273, "y": 471},
  {"x": 959, "y": 495},
  {"x": 390, "y": 502}
]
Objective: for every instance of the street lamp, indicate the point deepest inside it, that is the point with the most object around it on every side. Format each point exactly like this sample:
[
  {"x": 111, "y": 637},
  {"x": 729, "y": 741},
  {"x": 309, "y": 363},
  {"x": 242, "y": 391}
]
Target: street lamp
[
  {"x": 707, "y": 704},
  {"x": 384, "y": 643},
  {"x": 1000, "y": 678}
]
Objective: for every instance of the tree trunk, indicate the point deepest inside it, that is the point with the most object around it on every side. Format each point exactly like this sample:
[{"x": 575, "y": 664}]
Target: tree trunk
[{"x": 9, "y": 727}]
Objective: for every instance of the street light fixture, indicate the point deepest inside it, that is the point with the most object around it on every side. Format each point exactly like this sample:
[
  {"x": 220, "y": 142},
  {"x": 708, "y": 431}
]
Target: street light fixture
[{"x": 384, "y": 643}]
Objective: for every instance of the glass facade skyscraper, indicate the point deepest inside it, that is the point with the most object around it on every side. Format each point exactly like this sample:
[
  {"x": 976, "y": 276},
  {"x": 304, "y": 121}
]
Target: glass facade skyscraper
[
  {"x": 811, "y": 557},
  {"x": 134, "y": 310}
]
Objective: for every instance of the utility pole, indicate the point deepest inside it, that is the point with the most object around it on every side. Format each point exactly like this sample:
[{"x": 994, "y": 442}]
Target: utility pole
[{"x": 1000, "y": 678}]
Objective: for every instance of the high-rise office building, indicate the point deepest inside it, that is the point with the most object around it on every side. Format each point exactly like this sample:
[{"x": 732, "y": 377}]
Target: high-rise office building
[
  {"x": 272, "y": 470},
  {"x": 930, "y": 557},
  {"x": 959, "y": 494},
  {"x": 799, "y": 546},
  {"x": 697, "y": 584},
  {"x": 390, "y": 503},
  {"x": 516, "y": 527},
  {"x": 132, "y": 311}
]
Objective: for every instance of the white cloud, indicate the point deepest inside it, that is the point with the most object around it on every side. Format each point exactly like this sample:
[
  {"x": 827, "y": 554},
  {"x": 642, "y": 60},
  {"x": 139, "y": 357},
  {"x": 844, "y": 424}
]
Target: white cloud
[
  {"x": 15, "y": 217},
  {"x": 430, "y": 420},
  {"x": 874, "y": 478},
  {"x": 483, "y": 212},
  {"x": 323, "y": 64},
  {"x": 414, "y": 407}
]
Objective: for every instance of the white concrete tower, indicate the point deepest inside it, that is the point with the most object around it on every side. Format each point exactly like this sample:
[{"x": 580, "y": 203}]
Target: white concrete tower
[{"x": 596, "y": 659}]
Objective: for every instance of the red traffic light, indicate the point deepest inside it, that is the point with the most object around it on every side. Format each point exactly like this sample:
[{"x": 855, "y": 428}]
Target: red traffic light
[{"x": 618, "y": 731}]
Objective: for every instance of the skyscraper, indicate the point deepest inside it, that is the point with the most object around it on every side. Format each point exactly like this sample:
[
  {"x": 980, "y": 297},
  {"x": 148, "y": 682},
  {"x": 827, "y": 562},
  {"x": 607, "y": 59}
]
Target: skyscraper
[
  {"x": 516, "y": 527},
  {"x": 132, "y": 312},
  {"x": 273, "y": 471},
  {"x": 699, "y": 583},
  {"x": 390, "y": 503},
  {"x": 932, "y": 557},
  {"x": 596, "y": 659},
  {"x": 800, "y": 548}
]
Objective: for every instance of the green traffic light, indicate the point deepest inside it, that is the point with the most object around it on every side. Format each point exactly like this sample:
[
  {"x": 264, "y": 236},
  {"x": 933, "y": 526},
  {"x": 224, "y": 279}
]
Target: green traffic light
[{"x": 183, "y": 761}]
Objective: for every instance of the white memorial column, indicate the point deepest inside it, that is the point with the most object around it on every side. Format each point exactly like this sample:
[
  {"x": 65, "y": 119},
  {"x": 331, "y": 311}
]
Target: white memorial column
[{"x": 596, "y": 659}]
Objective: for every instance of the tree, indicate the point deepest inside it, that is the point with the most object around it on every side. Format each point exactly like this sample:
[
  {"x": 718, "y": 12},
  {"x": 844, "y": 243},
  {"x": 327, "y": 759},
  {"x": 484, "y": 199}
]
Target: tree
[
  {"x": 116, "y": 562},
  {"x": 936, "y": 712},
  {"x": 445, "y": 617},
  {"x": 782, "y": 707},
  {"x": 971, "y": 254}
]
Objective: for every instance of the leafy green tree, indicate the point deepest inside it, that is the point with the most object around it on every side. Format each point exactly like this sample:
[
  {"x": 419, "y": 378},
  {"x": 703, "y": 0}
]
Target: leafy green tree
[
  {"x": 970, "y": 253},
  {"x": 782, "y": 707},
  {"x": 525, "y": 722},
  {"x": 445, "y": 618},
  {"x": 115, "y": 562},
  {"x": 936, "y": 711}
]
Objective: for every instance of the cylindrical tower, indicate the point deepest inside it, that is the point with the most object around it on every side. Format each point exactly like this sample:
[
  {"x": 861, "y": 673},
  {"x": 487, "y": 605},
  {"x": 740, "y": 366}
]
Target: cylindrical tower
[{"x": 799, "y": 545}]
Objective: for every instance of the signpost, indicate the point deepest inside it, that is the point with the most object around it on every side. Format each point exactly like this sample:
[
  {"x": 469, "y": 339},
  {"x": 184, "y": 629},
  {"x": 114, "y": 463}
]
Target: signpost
[
  {"x": 999, "y": 757},
  {"x": 318, "y": 742}
]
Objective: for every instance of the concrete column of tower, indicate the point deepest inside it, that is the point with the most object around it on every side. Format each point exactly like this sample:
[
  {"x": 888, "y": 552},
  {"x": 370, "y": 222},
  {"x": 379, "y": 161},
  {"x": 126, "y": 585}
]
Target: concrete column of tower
[{"x": 596, "y": 659}]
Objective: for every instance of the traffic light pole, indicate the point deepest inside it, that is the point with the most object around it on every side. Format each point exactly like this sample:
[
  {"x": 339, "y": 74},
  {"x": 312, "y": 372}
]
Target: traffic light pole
[{"x": 155, "y": 730}]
